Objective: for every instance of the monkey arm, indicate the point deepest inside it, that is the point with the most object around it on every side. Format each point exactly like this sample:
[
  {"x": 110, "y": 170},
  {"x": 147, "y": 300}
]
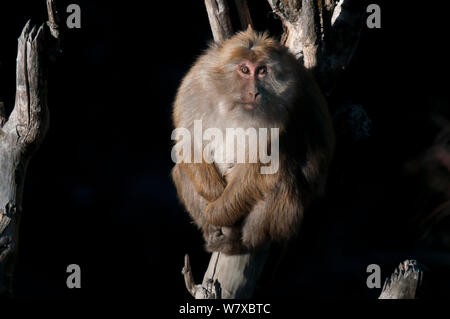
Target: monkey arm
[
  {"x": 206, "y": 179},
  {"x": 245, "y": 187}
]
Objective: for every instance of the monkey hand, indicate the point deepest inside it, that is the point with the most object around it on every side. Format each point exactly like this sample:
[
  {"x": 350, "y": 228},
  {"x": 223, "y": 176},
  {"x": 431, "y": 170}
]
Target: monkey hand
[{"x": 223, "y": 239}]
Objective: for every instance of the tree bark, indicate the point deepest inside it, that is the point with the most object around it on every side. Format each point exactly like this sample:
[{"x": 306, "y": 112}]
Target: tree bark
[
  {"x": 244, "y": 14},
  {"x": 322, "y": 34},
  {"x": 404, "y": 282},
  {"x": 227, "y": 277},
  {"x": 219, "y": 19},
  {"x": 21, "y": 133}
]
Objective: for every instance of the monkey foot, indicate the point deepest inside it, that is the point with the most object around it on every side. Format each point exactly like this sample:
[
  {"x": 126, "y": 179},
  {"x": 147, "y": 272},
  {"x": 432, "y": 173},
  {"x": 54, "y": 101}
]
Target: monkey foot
[{"x": 225, "y": 240}]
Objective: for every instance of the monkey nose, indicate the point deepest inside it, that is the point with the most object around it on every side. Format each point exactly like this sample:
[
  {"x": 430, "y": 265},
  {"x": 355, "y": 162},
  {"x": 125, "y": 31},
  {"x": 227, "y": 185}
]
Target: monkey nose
[{"x": 254, "y": 95}]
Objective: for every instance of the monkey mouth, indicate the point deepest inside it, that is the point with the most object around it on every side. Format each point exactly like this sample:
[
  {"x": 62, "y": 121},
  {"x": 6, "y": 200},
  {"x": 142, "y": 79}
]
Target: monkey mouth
[{"x": 250, "y": 105}]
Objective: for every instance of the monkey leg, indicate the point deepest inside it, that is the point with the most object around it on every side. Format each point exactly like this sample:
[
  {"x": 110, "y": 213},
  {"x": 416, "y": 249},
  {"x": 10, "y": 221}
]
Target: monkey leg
[
  {"x": 255, "y": 229},
  {"x": 276, "y": 218}
]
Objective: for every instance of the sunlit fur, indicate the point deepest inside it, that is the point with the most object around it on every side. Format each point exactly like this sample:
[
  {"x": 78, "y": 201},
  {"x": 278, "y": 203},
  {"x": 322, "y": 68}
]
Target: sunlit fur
[{"x": 239, "y": 209}]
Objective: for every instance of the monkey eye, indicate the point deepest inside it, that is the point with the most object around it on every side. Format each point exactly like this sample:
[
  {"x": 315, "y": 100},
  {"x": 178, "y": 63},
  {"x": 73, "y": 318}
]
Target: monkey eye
[
  {"x": 244, "y": 69},
  {"x": 262, "y": 70}
]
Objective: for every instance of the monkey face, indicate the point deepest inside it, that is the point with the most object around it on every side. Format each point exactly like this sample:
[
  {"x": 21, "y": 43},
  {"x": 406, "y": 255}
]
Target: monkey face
[
  {"x": 257, "y": 76},
  {"x": 249, "y": 75}
]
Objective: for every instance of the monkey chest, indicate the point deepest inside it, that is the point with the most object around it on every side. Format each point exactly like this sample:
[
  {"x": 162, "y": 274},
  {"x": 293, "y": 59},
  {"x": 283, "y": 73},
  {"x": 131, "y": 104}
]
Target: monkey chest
[{"x": 223, "y": 154}]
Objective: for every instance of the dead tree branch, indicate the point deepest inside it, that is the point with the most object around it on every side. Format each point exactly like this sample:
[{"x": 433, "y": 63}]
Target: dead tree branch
[
  {"x": 2, "y": 114},
  {"x": 244, "y": 14},
  {"x": 404, "y": 282},
  {"x": 322, "y": 33},
  {"x": 219, "y": 19},
  {"x": 228, "y": 277},
  {"x": 53, "y": 19},
  {"x": 21, "y": 133},
  {"x": 289, "y": 14}
]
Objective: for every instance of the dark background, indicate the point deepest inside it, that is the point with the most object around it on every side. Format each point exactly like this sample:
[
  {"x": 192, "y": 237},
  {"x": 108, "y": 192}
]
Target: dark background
[{"x": 98, "y": 192}]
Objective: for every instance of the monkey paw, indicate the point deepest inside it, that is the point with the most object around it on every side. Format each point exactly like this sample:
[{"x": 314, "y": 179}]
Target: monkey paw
[{"x": 224, "y": 239}]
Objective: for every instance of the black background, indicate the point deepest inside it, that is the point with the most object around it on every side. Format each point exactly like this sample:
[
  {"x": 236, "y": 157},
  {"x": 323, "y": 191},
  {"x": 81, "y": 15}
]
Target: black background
[{"x": 98, "y": 192}]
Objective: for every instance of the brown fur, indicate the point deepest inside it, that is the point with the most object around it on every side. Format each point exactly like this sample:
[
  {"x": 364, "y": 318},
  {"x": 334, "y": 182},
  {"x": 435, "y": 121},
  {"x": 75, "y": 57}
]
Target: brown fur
[{"x": 240, "y": 208}]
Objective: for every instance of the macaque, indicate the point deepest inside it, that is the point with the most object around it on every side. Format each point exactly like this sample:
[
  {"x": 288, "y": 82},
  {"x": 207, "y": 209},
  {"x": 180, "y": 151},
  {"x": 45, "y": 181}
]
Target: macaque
[{"x": 251, "y": 81}]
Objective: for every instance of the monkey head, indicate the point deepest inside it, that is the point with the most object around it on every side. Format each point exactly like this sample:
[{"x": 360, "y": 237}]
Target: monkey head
[{"x": 257, "y": 75}]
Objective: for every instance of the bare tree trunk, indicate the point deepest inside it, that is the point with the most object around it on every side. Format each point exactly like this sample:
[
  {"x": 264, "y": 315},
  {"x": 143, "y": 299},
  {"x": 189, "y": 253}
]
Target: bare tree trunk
[
  {"x": 21, "y": 133},
  {"x": 308, "y": 27}
]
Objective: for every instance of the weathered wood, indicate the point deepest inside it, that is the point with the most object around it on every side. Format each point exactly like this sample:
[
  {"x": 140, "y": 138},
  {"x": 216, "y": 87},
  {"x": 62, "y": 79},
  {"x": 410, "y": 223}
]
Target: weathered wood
[
  {"x": 228, "y": 277},
  {"x": 189, "y": 278},
  {"x": 219, "y": 19},
  {"x": 289, "y": 14},
  {"x": 404, "y": 282},
  {"x": 2, "y": 114},
  {"x": 237, "y": 275},
  {"x": 302, "y": 29},
  {"x": 21, "y": 133},
  {"x": 207, "y": 290},
  {"x": 53, "y": 19},
  {"x": 244, "y": 14},
  {"x": 311, "y": 33},
  {"x": 324, "y": 37}
]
